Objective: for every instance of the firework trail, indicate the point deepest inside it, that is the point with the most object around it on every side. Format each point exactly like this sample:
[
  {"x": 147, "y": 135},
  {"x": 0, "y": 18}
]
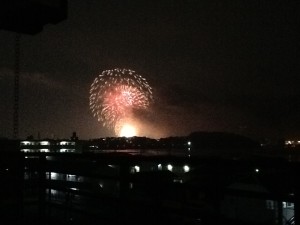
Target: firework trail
[{"x": 115, "y": 94}]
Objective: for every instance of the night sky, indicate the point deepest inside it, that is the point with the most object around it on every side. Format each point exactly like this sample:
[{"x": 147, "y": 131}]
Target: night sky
[{"x": 213, "y": 65}]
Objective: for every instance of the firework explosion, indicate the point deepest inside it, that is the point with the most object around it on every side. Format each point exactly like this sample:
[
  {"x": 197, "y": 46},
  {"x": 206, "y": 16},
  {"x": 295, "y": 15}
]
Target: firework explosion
[{"x": 115, "y": 94}]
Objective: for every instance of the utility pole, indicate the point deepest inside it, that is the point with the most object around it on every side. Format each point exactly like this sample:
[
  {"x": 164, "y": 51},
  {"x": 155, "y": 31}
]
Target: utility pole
[{"x": 16, "y": 87}]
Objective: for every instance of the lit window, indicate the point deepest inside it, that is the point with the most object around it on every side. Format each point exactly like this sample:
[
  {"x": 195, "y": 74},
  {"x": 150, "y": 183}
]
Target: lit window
[
  {"x": 159, "y": 166},
  {"x": 287, "y": 205},
  {"x": 189, "y": 143},
  {"x": 170, "y": 167},
  {"x": 44, "y": 143},
  {"x": 54, "y": 176},
  {"x": 71, "y": 177},
  {"x": 26, "y": 143},
  {"x": 64, "y": 143},
  {"x": 63, "y": 150}
]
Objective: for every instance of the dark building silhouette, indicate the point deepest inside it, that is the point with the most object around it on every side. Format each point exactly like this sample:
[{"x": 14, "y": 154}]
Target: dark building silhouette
[{"x": 221, "y": 143}]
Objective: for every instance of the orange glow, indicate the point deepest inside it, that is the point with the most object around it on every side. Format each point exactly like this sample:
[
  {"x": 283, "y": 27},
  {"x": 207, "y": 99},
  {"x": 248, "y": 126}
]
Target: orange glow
[{"x": 127, "y": 131}]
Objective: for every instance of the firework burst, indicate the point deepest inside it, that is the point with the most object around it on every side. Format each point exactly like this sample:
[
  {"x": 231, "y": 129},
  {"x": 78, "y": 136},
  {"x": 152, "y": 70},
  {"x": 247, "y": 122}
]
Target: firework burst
[{"x": 115, "y": 94}]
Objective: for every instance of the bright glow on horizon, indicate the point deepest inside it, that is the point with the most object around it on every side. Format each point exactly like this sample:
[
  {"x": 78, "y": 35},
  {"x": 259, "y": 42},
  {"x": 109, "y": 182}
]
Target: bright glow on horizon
[{"x": 127, "y": 131}]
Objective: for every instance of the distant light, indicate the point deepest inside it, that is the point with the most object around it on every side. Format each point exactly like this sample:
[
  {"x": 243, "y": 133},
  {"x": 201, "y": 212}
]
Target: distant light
[
  {"x": 53, "y": 192},
  {"x": 137, "y": 169},
  {"x": 189, "y": 149},
  {"x": 186, "y": 168},
  {"x": 178, "y": 181},
  {"x": 189, "y": 143},
  {"x": 256, "y": 170},
  {"x": 159, "y": 166},
  {"x": 131, "y": 185},
  {"x": 74, "y": 189},
  {"x": 93, "y": 146},
  {"x": 170, "y": 167}
]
